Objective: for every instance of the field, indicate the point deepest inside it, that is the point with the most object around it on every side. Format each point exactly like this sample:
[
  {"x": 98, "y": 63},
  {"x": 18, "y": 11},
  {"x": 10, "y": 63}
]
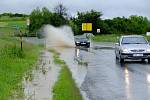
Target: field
[
  {"x": 10, "y": 26},
  {"x": 14, "y": 62},
  {"x": 110, "y": 38}
]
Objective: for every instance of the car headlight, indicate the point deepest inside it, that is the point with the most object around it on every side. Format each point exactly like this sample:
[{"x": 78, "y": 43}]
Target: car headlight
[
  {"x": 148, "y": 50},
  {"x": 125, "y": 50},
  {"x": 77, "y": 42}
]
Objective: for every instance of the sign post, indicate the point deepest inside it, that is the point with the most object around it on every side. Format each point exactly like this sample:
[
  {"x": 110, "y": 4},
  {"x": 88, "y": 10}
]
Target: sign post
[
  {"x": 21, "y": 41},
  {"x": 28, "y": 24}
]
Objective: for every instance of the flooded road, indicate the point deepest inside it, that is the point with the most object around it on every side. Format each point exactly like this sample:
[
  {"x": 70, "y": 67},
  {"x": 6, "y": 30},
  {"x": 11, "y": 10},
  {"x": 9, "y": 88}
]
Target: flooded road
[
  {"x": 38, "y": 83},
  {"x": 101, "y": 77},
  {"x": 98, "y": 75}
]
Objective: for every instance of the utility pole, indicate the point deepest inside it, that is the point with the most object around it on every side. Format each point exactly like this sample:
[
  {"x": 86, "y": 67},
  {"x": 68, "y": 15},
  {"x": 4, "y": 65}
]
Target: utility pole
[{"x": 21, "y": 41}]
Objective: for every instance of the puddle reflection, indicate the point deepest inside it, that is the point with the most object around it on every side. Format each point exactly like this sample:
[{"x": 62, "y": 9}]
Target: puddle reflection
[
  {"x": 127, "y": 83},
  {"x": 77, "y": 60},
  {"x": 80, "y": 57},
  {"x": 127, "y": 76},
  {"x": 148, "y": 78}
]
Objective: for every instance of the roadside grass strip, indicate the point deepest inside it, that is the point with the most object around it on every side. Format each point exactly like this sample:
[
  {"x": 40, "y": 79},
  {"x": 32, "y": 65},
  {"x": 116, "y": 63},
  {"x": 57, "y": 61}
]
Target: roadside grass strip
[
  {"x": 105, "y": 38},
  {"x": 65, "y": 87},
  {"x": 14, "y": 63},
  {"x": 111, "y": 37}
]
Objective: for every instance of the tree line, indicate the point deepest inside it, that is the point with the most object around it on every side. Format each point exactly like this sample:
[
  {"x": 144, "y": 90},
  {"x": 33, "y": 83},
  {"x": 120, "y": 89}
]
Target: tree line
[
  {"x": 13, "y": 15},
  {"x": 40, "y": 17},
  {"x": 120, "y": 25}
]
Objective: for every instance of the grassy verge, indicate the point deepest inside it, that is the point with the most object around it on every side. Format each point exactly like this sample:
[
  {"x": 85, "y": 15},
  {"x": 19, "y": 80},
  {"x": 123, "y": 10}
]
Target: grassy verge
[
  {"x": 65, "y": 88},
  {"x": 148, "y": 38},
  {"x": 105, "y": 38},
  {"x": 110, "y": 38},
  {"x": 14, "y": 63}
]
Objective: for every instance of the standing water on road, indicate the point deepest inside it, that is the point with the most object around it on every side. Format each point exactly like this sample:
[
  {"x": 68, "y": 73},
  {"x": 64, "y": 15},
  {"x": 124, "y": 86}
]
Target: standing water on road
[{"x": 38, "y": 83}]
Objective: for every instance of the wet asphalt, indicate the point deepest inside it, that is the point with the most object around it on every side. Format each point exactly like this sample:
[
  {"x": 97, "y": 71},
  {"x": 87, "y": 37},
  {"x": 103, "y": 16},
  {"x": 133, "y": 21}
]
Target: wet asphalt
[{"x": 101, "y": 77}]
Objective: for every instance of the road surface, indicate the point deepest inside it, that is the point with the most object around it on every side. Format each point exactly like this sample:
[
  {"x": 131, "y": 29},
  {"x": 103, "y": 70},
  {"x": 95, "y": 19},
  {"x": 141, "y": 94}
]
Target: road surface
[{"x": 101, "y": 77}]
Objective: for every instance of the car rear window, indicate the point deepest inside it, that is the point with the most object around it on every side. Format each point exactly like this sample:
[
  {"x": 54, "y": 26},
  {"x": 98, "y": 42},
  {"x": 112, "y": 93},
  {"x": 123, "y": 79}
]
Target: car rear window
[{"x": 134, "y": 40}]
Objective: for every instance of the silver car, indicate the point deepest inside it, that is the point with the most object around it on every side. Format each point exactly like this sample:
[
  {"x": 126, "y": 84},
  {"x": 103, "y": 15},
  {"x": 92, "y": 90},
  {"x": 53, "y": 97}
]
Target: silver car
[{"x": 132, "y": 47}]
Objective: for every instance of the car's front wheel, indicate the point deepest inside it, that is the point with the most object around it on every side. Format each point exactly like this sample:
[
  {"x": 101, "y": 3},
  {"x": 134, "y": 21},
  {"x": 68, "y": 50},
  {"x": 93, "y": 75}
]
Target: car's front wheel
[
  {"x": 88, "y": 46},
  {"x": 121, "y": 60},
  {"x": 143, "y": 60},
  {"x": 148, "y": 60}
]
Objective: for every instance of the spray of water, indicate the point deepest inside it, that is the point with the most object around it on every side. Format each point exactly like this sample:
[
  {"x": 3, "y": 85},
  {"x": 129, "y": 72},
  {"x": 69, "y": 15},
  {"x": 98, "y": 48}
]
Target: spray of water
[{"x": 59, "y": 37}]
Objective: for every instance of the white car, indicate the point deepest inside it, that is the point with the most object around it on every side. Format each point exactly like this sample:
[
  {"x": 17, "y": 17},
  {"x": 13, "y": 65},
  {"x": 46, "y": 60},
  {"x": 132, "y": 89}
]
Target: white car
[{"x": 132, "y": 47}]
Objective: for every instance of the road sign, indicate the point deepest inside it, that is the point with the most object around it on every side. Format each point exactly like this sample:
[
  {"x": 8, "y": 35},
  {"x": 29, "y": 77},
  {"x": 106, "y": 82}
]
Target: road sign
[
  {"x": 86, "y": 26},
  {"x": 83, "y": 26},
  {"x": 98, "y": 30},
  {"x": 28, "y": 22}
]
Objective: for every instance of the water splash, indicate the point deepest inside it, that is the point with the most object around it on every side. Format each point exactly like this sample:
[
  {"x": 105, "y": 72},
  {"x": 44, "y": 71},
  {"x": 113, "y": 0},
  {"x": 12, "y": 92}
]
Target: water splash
[{"x": 58, "y": 37}]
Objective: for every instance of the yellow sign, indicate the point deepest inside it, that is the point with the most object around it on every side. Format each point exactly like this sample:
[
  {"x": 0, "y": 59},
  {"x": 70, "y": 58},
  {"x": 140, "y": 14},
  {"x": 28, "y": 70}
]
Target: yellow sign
[
  {"x": 86, "y": 26},
  {"x": 83, "y": 26},
  {"x": 89, "y": 26}
]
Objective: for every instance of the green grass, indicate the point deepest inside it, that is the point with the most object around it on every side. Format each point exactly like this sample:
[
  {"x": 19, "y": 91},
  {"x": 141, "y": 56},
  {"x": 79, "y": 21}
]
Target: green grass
[
  {"x": 18, "y": 23},
  {"x": 3, "y": 24},
  {"x": 10, "y": 22},
  {"x": 5, "y": 31},
  {"x": 110, "y": 38},
  {"x": 147, "y": 37},
  {"x": 13, "y": 24},
  {"x": 105, "y": 38},
  {"x": 14, "y": 63},
  {"x": 7, "y": 18},
  {"x": 8, "y": 26},
  {"x": 65, "y": 88}
]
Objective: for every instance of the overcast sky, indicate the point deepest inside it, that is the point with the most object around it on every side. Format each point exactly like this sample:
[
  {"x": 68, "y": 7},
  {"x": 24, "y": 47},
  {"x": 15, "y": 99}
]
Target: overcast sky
[{"x": 109, "y": 8}]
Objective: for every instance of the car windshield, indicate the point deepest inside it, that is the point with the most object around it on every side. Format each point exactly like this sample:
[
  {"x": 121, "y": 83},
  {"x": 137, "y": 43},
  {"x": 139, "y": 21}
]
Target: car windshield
[
  {"x": 134, "y": 40},
  {"x": 81, "y": 39}
]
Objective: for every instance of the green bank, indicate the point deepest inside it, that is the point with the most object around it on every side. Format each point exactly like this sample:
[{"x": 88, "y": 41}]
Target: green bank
[
  {"x": 14, "y": 63},
  {"x": 65, "y": 87}
]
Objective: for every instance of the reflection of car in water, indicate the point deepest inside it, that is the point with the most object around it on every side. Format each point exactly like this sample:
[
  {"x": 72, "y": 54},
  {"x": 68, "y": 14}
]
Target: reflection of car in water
[
  {"x": 82, "y": 41},
  {"x": 81, "y": 56},
  {"x": 132, "y": 47}
]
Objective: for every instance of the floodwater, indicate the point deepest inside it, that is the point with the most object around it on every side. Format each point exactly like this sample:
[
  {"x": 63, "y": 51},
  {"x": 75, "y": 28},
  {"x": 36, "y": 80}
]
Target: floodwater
[
  {"x": 38, "y": 83},
  {"x": 96, "y": 72},
  {"x": 101, "y": 77}
]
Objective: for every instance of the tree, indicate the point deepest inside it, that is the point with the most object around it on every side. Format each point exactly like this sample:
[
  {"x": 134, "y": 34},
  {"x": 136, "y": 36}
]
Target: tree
[
  {"x": 138, "y": 24},
  {"x": 46, "y": 15},
  {"x": 57, "y": 20},
  {"x": 61, "y": 10},
  {"x": 36, "y": 20},
  {"x": 148, "y": 28},
  {"x": 122, "y": 25},
  {"x": 88, "y": 17}
]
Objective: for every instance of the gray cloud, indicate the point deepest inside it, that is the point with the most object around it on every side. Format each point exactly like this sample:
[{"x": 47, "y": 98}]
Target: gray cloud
[{"x": 109, "y": 8}]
